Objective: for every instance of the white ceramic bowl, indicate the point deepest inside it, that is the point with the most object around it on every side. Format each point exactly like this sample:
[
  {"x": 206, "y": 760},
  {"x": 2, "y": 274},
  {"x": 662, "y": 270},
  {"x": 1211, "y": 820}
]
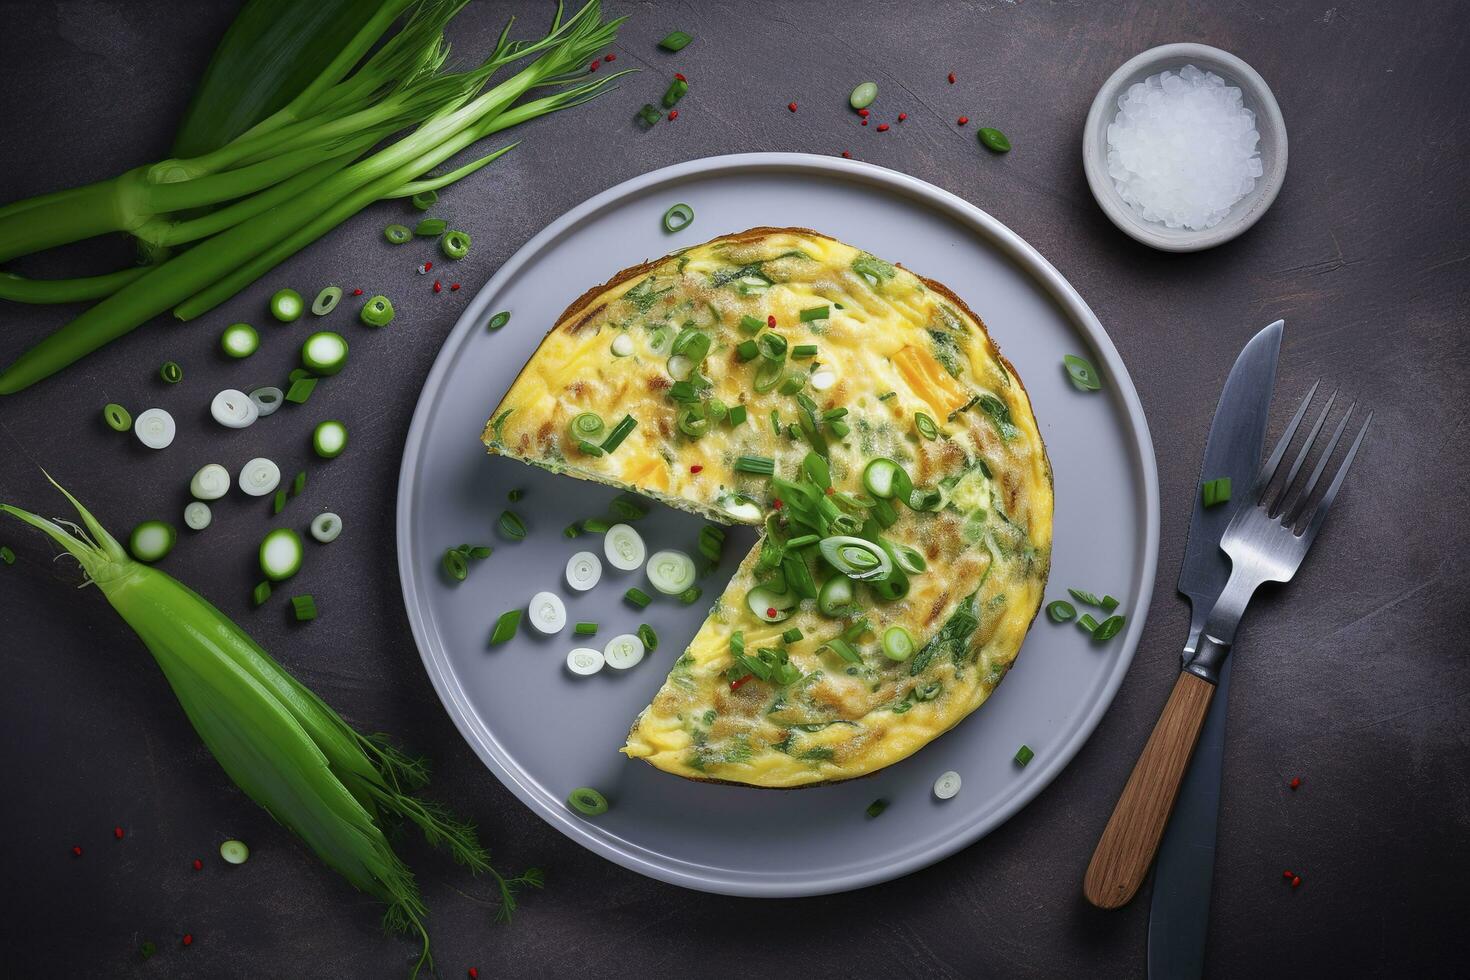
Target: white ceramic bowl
[{"x": 1257, "y": 97}]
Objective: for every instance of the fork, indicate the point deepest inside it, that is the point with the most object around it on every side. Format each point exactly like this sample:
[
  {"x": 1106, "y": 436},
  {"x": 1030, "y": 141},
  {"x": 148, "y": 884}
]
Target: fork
[{"x": 1267, "y": 538}]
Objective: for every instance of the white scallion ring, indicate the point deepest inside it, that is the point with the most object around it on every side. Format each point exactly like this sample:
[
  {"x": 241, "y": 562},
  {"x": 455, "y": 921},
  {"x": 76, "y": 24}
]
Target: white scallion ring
[
  {"x": 267, "y": 400},
  {"x": 623, "y": 651},
  {"x": 155, "y": 428},
  {"x": 259, "y": 477},
  {"x": 624, "y": 547},
  {"x": 823, "y": 378},
  {"x": 325, "y": 527},
  {"x": 548, "y": 614},
  {"x": 210, "y": 483},
  {"x": 622, "y": 345},
  {"x": 584, "y": 570},
  {"x": 947, "y": 785},
  {"x": 234, "y": 409},
  {"x": 584, "y": 661},
  {"x": 197, "y": 515}
]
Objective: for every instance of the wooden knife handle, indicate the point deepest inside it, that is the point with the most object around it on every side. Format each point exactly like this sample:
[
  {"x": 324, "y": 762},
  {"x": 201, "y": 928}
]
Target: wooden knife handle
[{"x": 1131, "y": 838}]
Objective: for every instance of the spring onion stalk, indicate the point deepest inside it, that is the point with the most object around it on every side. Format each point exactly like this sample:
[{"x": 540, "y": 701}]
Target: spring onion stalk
[
  {"x": 402, "y": 83},
  {"x": 334, "y": 787}
]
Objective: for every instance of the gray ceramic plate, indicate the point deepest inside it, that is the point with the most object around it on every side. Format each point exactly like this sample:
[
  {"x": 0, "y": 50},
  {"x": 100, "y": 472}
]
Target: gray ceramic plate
[{"x": 545, "y": 732}]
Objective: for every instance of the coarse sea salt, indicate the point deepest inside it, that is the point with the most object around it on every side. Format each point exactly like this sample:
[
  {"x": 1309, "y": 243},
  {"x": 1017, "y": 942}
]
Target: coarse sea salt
[{"x": 1183, "y": 149}]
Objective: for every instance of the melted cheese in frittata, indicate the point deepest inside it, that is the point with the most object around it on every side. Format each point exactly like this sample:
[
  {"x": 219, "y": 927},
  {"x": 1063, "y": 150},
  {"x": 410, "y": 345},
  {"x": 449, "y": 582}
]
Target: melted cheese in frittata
[{"x": 891, "y": 345}]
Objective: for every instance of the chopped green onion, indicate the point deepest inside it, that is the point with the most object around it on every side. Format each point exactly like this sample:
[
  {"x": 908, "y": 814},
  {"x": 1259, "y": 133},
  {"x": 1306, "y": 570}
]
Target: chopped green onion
[
  {"x": 802, "y": 352},
  {"x": 751, "y": 325},
  {"x": 762, "y": 465},
  {"x": 747, "y": 350},
  {"x": 324, "y": 353},
  {"x": 768, "y": 375},
  {"x": 300, "y": 390},
  {"x": 1083, "y": 374},
  {"x": 286, "y": 305},
  {"x": 585, "y": 629},
  {"x": 792, "y": 635},
  {"x": 1024, "y": 755},
  {"x": 649, "y": 114},
  {"x": 239, "y": 340},
  {"x": 637, "y": 597},
  {"x": 1061, "y": 611},
  {"x": 586, "y": 425},
  {"x": 680, "y": 216},
  {"x": 431, "y": 227},
  {"x": 1216, "y": 492},
  {"x": 1109, "y": 603},
  {"x": 298, "y": 484},
  {"x": 279, "y": 504},
  {"x": 839, "y": 428},
  {"x": 424, "y": 200},
  {"x": 876, "y": 807},
  {"x": 304, "y": 606},
  {"x": 993, "y": 140},
  {"x": 171, "y": 372},
  {"x": 6, "y": 555},
  {"x": 772, "y": 345},
  {"x": 377, "y": 312},
  {"x": 1087, "y": 623},
  {"x": 675, "y": 41},
  {"x": 628, "y": 508},
  {"x": 692, "y": 421},
  {"x": 280, "y": 554},
  {"x": 863, "y": 95},
  {"x": 455, "y": 565},
  {"x": 898, "y": 643},
  {"x": 512, "y": 526},
  {"x": 506, "y": 626},
  {"x": 886, "y": 395},
  {"x": 815, "y": 313},
  {"x": 118, "y": 419},
  {"x": 151, "y": 541},
  {"x": 619, "y": 433},
  {"x": 455, "y": 244},
  {"x": 572, "y": 530},
  {"x": 594, "y": 525},
  {"x": 736, "y": 415},
  {"x": 329, "y": 438},
  {"x": 1086, "y": 598},
  {"x": 677, "y": 89},
  {"x": 590, "y": 448},
  {"x": 260, "y": 593},
  {"x": 234, "y": 851},
  {"x": 587, "y": 801},
  {"x": 793, "y": 382},
  {"x": 691, "y": 595},
  {"x": 1108, "y": 629},
  {"x": 776, "y": 421},
  {"x": 498, "y": 320},
  {"x": 856, "y": 557},
  {"x": 398, "y": 234},
  {"x": 649, "y": 637},
  {"x": 326, "y": 301},
  {"x": 926, "y": 426}
]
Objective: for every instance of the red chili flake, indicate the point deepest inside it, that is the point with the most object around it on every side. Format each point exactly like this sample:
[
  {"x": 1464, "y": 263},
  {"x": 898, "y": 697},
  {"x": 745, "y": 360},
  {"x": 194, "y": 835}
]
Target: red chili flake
[
  {"x": 695, "y": 468},
  {"x": 771, "y": 612},
  {"x": 76, "y": 850},
  {"x": 438, "y": 285},
  {"x": 830, "y": 491},
  {"x": 951, "y": 78},
  {"x": 1296, "y": 882},
  {"x": 428, "y": 266},
  {"x": 777, "y": 503},
  {"x": 593, "y": 66},
  {"x": 609, "y": 57},
  {"x": 791, "y": 106},
  {"x": 673, "y": 114},
  {"x": 737, "y": 685},
  {"x": 454, "y": 287},
  {"x": 117, "y": 832},
  {"x": 865, "y": 122},
  {"x": 357, "y": 292},
  {"x": 863, "y": 113},
  {"x": 771, "y": 320},
  {"x": 846, "y": 155},
  {"x": 198, "y": 865},
  {"x": 882, "y": 127},
  {"x": 188, "y": 939},
  {"x": 1287, "y": 875},
  {"x": 474, "y": 973},
  {"x": 1295, "y": 781},
  {"x": 902, "y": 116},
  {"x": 680, "y": 77},
  {"x": 962, "y": 120}
]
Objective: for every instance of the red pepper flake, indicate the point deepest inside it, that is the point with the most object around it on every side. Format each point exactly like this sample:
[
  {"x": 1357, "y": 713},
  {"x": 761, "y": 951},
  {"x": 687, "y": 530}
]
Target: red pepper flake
[
  {"x": 117, "y": 832},
  {"x": 737, "y": 685},
  {"x": 1296, "y": 882},
  {"x": 438, "y": 285},
  {"x": 76, "y": 850},
  {"x": 791, "y": 106},
  {"x": 865, "y": 122},
  {"x": 777, "y": 503},
  {"x": 962, "y": 120},
  {"x": 428, "y": 266},
  {"x": 770, "y": 612},
  {"x": 863, "y": 113},
  {"x": 188, "y": 939},
  {"x": 830, "y": 491},
  {"x": 593, "y": 66},
  {"x": 882, "y": 127},
  {"x": 695, "y": 468},
  {"x": 673, "y": 114},
  {"x": 680, "y": 77},
  {"x": 1287, "y": 875},
  {"x": 198, "y": 865},
  {"x": 951, "y": 78},
  {"x": 454, "y": 287},
  {"x": 1295, "y": 781},
  {"x": 609, "y": 57},
  {"x": 771, "y": 320},
  {"x": 474, "y": 973},
  {"x": 846, "y": 155},
  {"x": 357, "y": 292},
  {"x": 902, "y": 116}
]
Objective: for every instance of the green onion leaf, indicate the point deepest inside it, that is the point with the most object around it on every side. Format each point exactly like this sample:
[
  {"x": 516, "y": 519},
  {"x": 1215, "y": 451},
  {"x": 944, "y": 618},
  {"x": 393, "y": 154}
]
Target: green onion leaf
[
  {"x": 506, "y": 626},
  {"x": 762, "y": 465},
  {"x": 498, "y": 320},
  {"x": 455, "y": 244},
  {"x": 926, "y": 426},
  {"x": 648, "y": 637},
  {"x": 1087, "y": 623},
  {"x": 1216, "y": 492},
  {"x": 512, "y": 526},
  {"x": 1086, "y": 598},
  {"x": 677, "y": 89},
  {"x": 736, "y": 415},
  {"x": 993, "y": 140},
  {"x": 431, "y": 227},
  {"x": 619, "y": 433},
  {"x": 1061, "y": 611},
  {"x": 1108, "y": 629},
  {"x": 260, "y": 593},
  {"x": 751, "y": 325},
  {"x": 675, "y": 41},
  {"x": 803, "y": 352},
  {"x": 1083, "y": 374},
  {"x": 585, "y": 629}
]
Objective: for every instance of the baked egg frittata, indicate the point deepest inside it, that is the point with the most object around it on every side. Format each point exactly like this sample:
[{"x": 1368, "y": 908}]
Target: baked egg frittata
[{"x": 865, "y": 418}]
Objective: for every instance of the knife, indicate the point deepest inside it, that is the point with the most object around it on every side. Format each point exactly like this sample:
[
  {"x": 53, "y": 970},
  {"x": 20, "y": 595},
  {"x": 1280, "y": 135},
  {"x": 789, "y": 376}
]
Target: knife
[{"x": 1179, "y": 916}]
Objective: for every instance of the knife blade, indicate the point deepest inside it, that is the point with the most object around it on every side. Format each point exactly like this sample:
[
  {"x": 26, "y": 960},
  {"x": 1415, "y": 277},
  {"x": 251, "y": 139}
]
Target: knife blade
[{"x": 1179, "y": 913}]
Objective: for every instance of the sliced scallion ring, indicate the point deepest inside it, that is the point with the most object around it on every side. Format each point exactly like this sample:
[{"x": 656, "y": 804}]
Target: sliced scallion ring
[
  {"x": 377, "y": 312},
  {"x": 267, "y": 399},
  {"x": 548, "y": 613},
  {"x": 671, "y": 572},
  {"x": 280, "y": 554},
  {"x": 1083, "y": 374},
  {"x": 740, "y": 507},
  {"x": 909, "y": 559},
  {"x": 152, "y": 540},
  {"x": 424, "y": 200},
  {"x": 898, "y": 643},
  {"x": 624, "y": 547},
  {"x": 586, "y": 425},
  {"x": 926, "y": 426},
  {"x": 260, "y": 477},
  {"x": 398, "y": 234},
  {"x": 325, "y": 527},
  {"x": 770, "y": 606},
  {"x": 623, "y": 651},
  {"x": 584, "y": 570},
  {"x": 239, "y": 340},
  {"x": 863, "y": 95},
  {"x": 947, "y": 785},
  {"x": 197, "y": 515},
  {"x": 678, "y": 217},
  {"x": 856, "y": 557},
  {"x": 498, "y": 320},
  {"x": 587, "y": 801},
  {"x": 118, "y": 419},
  {"x": 585, "y": 661},
  {"x": 326, "y": 301},
  {"x": 329, "y": 438},
  {"x": 680, "y": 367},
  {"x": 211, "y": 482},
  {"x": 661, "y": 341},
  {"x": 430, "y": 228},
  {"x": 324, "y": 353},
  {"x": 154, "y": 428},
  {"x": 881, "y": 479},
  {"x": 836, "y": 596},
  {"x": 455, "y": 244},
  {"x": 171, "y": 372},
  {"x": 622, "y": 345},
  {"x": 286, "y": 305},
  {"x": 233, "y": 409},
  {"x": 234, "y": 852},
  {"x": 1061, "y": 611},
  {"x": 823, "y": 378}
]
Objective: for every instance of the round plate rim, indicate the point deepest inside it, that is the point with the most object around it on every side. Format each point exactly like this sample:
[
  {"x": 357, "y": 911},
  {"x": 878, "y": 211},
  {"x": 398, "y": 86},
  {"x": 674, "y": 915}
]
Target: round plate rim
[{"x": 650, "y": 863}]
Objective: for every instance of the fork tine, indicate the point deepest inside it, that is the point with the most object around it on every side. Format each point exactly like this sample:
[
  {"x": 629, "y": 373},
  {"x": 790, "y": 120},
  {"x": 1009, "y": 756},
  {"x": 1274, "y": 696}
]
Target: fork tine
[
  {"x": 1279, "y": 504},
  {"x": 1320, "y": 514},
  {"x": 1263, "y": 479},
  {"x": 1299, "y": 505}
]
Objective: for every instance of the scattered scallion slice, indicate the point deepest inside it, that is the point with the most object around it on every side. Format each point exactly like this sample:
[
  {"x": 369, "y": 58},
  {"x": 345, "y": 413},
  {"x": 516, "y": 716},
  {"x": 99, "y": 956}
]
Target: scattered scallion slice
[
  {"x": 233, "y": 409},
  {"x": 154, "y": 428},
  {"x": 624, "y": 547},
  {"x": 747, "y": 350},
  {"x": 260, "y": 593},
  {"x": 815, "y": 313},
  {"x": 425, "y": 199},
  {"x": 622, "y": 345},
  {"x": 863, "y": 95},
  {"x": 455, "y": 244},
  {"x": 259, "y": 477},
  {"x": 498, "y": 320},
  {"x": 300, "y": 390},
  {"x": 377, "y": 312},
  {"x": 760, "y": 465},
  {"x": 1216, "y": 491},
  {"x": 430, "y": 227},
  {"x": 649, "y": 114},
  {"x": 623, "y": 651},
  {"x": 1061, "y": 611},
  {"x": 329, "y": 438},
  {"x": 1086, "y": 598},
  {"x": 680, "y": 216},
  {"x": 118, "y": 419},
  {"x": 691, "y": 595},
  {"x": 856, "y": 557},
  {"x": 1083, "y": 374},
  {"x": 926, "y": 426},
  {"x": 947, "y": 785},
  {"x": 151, "y": 541},
  {"x": 619, "y": 432},
  {"x": 585, "y": 629},
  {"x": 324, "y": 353},
  {"x": 398, "y": 234},
  {"x": 326, "y": 301},
  {"x": 736, "y": 415},
  {"x": 548, "y": 613},
  {"x": 325, "y": 527},
  {"x": 590, "y": 448},
  {"x": 898, "y": 643},
  {"x": 304, "y": 606},
  {"x": 628, "y": 507},
  {"x": 587, "y": 801},
  {"x": 1109, "y": 603},
  {"x": 1108, "y": 629},
  {"x": 751, "y": 325},
  {"x": 280, "y": 554},
  {"x": 287, "y": 305},
  {"x": 511, "y": 525},
  {"x": 675, "y": 41},
  {"x": 506, "y": 626},
  {"x": 770, "y": 606},
  {"x": 239, "y": 340},
  {"x": 234, "y": 852},
  {"x": 584, "y": 570},
  {"x": 648, "y": 637},
  {"x": 595, "y": 525},
  {"x": 586, "y": 425},
  {"x": 584, "y": 661},
  {"x": 993, "y": 140},
  {"x": 267, "y": 399},
  {"x": 171, "y": 372},
  {"x": 197, "y": 515},
  {"x": 1086, "y": 622},
  {"x": 1024, "y": 755},
  {"x": 909, "y": 559},
  {"x": 792, "y": 635},
  {"x": 279, "y": 504},
  {"x": 876, "y": 807},
  {"x": 835, "y": 598},
  {"x": 677, "y": 89},
  {"x": 638, "y": 598}
]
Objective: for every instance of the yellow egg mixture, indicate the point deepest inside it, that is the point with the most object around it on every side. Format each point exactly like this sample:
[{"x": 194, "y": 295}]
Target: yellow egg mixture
[{"x": 679, "y": 346}]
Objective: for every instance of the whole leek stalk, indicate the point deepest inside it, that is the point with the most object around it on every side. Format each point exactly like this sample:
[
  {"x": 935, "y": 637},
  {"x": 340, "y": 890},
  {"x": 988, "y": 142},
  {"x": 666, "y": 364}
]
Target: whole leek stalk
[
  {"x": 296, "y": 174},
  {"x": 335, "y": 788}
]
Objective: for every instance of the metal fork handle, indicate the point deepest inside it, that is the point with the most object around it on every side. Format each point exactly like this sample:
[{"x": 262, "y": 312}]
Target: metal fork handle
[{"x": 1131, "y": 839}]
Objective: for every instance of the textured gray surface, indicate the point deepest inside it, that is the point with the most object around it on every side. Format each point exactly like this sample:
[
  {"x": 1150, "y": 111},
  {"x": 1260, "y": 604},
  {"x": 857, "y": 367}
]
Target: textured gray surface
[{"x": 1355, "y": 679}]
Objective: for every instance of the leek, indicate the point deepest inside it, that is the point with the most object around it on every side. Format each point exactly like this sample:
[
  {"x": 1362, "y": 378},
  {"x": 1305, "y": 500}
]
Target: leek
[{"x": 335, "y": 788}]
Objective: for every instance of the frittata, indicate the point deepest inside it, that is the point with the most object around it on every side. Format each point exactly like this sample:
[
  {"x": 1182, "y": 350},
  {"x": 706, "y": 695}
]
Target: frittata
[{"x": 863, "y": 416}]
